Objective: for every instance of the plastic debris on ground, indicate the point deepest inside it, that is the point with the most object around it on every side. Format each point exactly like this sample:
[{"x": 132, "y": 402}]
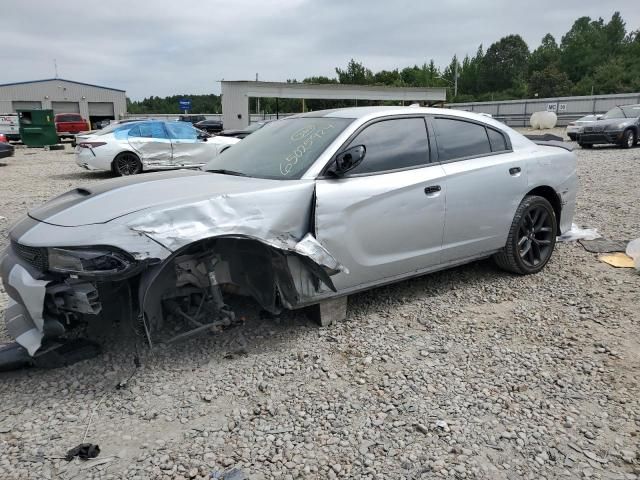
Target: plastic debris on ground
[
  {"x": 233, "y": 474},
  {"x": 577, "y": 233},
  {"x": 602, "y": 245},
  {"x": 633, "y": 250},
  {"x": 617, "y": 259}
]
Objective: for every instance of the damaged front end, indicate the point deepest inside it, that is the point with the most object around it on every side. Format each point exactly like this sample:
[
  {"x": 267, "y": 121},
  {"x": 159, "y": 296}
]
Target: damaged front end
[{"x": 58, "y": 294}]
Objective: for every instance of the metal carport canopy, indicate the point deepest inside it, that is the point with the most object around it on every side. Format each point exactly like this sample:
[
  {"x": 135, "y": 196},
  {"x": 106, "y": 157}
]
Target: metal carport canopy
[{"x": 236, "y": 94}]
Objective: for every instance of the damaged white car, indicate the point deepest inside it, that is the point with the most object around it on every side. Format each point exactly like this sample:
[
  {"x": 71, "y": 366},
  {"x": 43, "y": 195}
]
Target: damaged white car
[
  {"x": 303, "y": 212},
  {"x": 133, "y": 147}
]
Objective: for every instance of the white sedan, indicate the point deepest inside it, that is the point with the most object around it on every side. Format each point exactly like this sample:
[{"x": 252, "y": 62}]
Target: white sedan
[
  {"x": 575, "y": 127},
  {"x": 130, "y": 148}
]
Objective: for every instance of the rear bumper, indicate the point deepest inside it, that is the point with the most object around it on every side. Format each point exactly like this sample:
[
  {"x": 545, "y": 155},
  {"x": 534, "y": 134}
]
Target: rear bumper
[
  {"x": 7, "y": 153},
  {"x": 89, "y": 161}
]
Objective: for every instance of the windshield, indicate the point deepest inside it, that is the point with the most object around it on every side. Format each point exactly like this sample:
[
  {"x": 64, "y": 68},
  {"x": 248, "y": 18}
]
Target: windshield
[
  {"x": 255, "y": 126},
  {"x": 614, "y": 113},
  {"x": 282, "y": 150}
]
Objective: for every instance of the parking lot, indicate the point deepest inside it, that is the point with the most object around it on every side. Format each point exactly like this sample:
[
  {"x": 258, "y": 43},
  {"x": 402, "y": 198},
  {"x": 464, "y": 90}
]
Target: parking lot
[{"x": 467, "y": 373}]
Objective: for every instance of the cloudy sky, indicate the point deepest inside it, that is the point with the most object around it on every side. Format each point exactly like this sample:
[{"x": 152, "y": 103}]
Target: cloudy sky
[{"x": 164, "y": 47}]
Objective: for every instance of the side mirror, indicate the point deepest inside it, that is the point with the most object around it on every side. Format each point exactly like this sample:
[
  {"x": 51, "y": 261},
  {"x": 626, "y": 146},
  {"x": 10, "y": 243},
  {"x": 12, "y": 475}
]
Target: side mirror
[
  {"x": 347, "y": 160},
  {"x": 203, "y": 137}
]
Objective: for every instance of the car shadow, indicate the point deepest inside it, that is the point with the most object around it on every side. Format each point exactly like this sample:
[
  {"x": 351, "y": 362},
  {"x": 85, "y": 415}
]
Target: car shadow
[
  {"x": 247, "y": 342},
  {"x": 83, "y": 175}
]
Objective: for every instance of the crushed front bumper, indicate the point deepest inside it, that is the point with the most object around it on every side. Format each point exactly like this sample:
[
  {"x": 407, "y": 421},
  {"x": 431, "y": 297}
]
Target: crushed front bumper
[{"x": 26, "y": 289}]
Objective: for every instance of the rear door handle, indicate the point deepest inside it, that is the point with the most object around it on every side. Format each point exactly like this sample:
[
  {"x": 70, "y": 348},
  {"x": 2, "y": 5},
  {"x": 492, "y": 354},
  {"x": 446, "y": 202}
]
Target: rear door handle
[
  {"x": 514, "y": 171},
  {"x": 432, "y": 189}
]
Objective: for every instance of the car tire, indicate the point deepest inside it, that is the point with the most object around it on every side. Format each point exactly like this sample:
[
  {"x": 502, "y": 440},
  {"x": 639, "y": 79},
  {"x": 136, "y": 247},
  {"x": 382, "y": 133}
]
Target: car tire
[
  {"x": 586, "y": 145},
  {"x": 126, "y": 163},
  {"x": 628, "y": 138},
  {"x": 532, "y": 237}
]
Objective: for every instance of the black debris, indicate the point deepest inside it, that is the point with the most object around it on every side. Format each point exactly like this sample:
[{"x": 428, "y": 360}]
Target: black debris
[{"x": 85, "y": 451}]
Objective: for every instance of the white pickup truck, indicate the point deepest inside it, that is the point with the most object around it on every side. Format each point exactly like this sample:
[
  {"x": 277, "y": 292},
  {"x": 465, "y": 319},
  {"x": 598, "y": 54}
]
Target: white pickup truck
[{"x": 9, "y": 126}]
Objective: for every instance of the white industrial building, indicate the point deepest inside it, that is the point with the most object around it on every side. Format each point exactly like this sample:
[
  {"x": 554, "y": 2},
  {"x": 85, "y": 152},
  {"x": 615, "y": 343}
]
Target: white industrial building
[
  {"x": 236, "y": 94},
  {"x": 93, "y": 102}
]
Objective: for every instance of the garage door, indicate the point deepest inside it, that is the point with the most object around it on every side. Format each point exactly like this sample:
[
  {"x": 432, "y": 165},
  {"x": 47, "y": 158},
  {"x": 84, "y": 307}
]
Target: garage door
[
  {"x": 65, "y": 107},
  {"x": 101, "y": 109},
  {"x": 26, "y": 105}
]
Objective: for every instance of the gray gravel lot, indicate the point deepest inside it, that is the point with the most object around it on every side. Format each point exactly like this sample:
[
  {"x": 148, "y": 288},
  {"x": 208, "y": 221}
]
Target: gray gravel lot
[{"x": 468, "y": 373}]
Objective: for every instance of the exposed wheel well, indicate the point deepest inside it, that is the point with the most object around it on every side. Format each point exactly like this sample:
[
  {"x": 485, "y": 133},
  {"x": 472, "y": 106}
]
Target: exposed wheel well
[{"x": 552, "y": 197}]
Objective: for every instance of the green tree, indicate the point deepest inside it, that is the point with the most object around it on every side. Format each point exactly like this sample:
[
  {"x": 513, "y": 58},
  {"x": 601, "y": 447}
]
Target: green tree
[
  {"x": 355, "y": 73},
  {"x": 505, "y": 64},
  {"x": 549, "y": 82},
  {"x": 546, "y": 55}
]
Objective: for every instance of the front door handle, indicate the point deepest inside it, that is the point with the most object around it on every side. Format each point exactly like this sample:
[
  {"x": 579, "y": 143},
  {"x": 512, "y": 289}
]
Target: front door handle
[
  {"x": 432, "y": 189},
  {"x": 514, "y": 171}
]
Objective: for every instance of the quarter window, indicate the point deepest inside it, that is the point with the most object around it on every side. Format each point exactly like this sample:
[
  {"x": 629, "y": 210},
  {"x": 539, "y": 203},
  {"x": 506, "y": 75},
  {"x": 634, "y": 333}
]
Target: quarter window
[
  {"x": 497, "y": 141},
  {"x": 393, "y": 144},
  {"x": 459, "y": 139}
]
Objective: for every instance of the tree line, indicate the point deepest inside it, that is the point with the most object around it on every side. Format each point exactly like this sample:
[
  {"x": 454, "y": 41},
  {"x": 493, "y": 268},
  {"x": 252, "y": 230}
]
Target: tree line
[{"x": 593, "y": 57}]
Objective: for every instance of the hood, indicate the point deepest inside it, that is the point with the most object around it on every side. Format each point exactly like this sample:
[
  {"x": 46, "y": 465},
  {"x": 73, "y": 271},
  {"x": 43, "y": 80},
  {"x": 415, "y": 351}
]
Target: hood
[{"x": 105, "y": 201}]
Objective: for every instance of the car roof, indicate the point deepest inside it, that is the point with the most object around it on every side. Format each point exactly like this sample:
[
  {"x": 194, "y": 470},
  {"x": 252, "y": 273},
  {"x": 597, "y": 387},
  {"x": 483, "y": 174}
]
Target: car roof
[
  {"x": 368, "y": 113},
  {"x": 372, "y": 112}
]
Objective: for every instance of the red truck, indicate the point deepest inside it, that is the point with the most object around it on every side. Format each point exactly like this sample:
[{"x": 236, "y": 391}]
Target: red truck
[{"x": 68, "y": 124}]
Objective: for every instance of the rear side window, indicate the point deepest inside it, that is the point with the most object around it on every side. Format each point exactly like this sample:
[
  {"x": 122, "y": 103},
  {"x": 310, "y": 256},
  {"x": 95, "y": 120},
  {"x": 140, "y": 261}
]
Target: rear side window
[
  {"x": 393, "y": 144},
  {"x": 497, "y": 141},
  {"x": 148, "y": 130},
  {"x": 459, "y": 139},
  {"x": 181, "y": 130}
]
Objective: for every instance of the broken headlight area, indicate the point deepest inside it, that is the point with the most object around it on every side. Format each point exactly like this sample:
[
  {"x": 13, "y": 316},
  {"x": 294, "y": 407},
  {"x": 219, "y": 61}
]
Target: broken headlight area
[{"x": 90, "y": 262}]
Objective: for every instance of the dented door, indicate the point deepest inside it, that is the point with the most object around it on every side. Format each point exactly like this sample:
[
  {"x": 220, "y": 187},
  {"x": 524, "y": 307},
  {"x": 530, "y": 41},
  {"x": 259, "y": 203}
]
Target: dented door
[
  {"x": 381, "y": 226},
  {"x": 188, "y": 149},
  {"x": 151, "y": 142}
]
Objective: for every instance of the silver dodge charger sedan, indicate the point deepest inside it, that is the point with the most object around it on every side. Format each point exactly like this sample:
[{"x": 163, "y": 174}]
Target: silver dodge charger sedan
[{"x": 303, "y": 212}]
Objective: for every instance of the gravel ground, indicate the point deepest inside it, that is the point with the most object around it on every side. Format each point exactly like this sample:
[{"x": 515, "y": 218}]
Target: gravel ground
[{"x": 468, "y": 373}]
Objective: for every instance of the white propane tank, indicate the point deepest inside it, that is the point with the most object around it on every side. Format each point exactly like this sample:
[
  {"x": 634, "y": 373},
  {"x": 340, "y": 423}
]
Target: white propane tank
[{"x": 543, "y": 120}]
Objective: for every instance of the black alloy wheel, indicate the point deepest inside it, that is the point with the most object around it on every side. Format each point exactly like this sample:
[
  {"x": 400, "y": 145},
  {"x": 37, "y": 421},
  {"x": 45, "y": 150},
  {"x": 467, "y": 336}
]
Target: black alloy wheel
[
  {"x": 127, "y": 163},
  {"x": 532, "y": 237},
  {"x": 535, "y": 243}
]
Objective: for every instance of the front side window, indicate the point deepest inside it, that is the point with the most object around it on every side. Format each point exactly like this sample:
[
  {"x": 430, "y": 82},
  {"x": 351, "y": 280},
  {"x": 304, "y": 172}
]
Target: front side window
[
  {"x": 283, "y": 150},
  {"x": 459, "y": 139},
  {"x": 632, "y": 111},
  {"x": 182, "y": 131},
  {"x": 392, "y": 144}
]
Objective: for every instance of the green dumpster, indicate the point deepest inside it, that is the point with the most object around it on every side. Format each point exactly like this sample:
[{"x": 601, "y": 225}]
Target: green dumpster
[{"x": 37, "y": 128}]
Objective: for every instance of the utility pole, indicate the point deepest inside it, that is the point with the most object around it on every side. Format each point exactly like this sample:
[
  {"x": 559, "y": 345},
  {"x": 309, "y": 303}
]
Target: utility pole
[
  {"x": 55, "y": 67},
  {"x": 257, "y": 100},
  {"x": 455, "y": 79}
]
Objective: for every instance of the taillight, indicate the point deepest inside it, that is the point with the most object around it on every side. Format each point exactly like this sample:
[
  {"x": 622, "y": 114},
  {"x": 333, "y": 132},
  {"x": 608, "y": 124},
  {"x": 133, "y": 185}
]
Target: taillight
[{"x": 91, "y": 144}]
